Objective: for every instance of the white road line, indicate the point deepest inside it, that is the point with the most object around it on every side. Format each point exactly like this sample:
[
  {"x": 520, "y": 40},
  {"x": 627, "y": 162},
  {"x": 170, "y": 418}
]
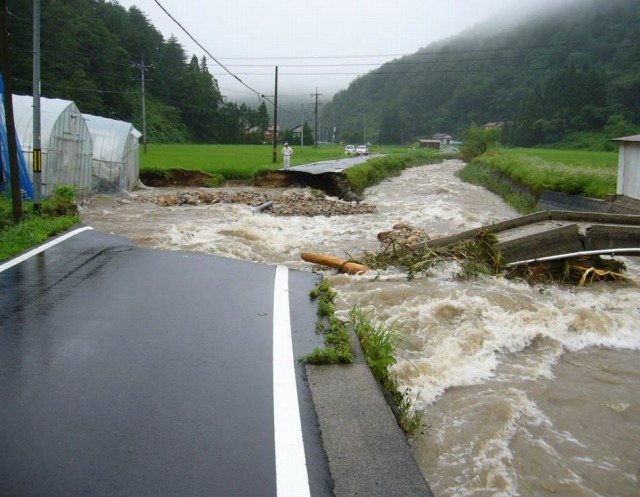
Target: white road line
[
  {"x": 291, "y": 466},
  {"x": 42, "y": 248}
]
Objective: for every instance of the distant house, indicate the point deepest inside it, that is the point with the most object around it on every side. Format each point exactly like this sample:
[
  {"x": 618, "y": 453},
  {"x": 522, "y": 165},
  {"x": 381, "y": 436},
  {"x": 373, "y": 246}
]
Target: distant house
[
  {"x": 297, "y": 131},
  {"x": 629, "y": 166},
  {"x": 443, "y": 138},
  {"x": 268, "y": 136},
  {"x": 434, "y": 144},
  {"x": 494, "y": 124}
]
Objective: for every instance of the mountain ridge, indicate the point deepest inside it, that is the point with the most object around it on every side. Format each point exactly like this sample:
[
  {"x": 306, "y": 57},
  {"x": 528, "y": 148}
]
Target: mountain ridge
[{"x": 492, "y": 72}]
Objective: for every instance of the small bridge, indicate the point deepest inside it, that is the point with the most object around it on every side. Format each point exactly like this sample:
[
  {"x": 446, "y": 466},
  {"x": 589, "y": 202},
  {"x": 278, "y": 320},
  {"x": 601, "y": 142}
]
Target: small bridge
[{"x": 551, "y": 235}]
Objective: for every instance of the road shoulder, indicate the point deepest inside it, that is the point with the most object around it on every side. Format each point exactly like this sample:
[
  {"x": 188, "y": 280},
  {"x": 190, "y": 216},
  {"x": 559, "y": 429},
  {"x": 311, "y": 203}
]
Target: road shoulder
[{"x": 368, "y": 454}]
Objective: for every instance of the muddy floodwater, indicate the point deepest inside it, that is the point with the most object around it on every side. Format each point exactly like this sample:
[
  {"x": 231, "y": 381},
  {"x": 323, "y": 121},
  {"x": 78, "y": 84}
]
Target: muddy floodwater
[{"x": 528, "y": 391}]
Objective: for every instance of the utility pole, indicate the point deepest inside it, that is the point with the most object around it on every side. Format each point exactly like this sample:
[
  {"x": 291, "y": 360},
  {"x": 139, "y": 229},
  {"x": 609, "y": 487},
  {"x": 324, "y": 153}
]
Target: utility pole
[
  {"x": 315, "y": 127},
  {"x": 275, "y": 121},
  {"x": 37, "y": 139},
  {"x": 333, "y": 126},
  {"x": 301, "y": 128},
  {"x": 364, "y": 130},
  {"x": 16, "y": 200},
  {"x": 144, "y": 111}
]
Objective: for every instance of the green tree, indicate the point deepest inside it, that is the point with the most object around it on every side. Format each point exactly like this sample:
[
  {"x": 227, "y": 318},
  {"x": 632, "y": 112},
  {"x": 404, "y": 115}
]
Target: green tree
[
  {"x": 230, "y": 127},
  {"x": 477, "y": 140},
  {"x": 288, "y": 137},
  {"x": 199, "y": 100},
  {"x": 262, "y": 117},
  {"x": 523, "y": 130}
]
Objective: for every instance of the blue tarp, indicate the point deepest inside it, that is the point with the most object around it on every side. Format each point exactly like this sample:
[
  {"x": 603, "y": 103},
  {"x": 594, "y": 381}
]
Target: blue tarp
[{"x": 25, "y": 182}]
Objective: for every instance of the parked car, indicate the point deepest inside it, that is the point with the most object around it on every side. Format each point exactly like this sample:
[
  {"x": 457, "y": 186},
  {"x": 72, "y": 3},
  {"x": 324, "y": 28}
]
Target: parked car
[
  {"x": 350, "y": 149},
  {"x": 362, "y": 150}
]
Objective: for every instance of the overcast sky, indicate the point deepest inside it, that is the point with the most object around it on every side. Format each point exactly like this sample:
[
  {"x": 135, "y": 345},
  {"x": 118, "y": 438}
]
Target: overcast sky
[{"x": 323, "y": 44}]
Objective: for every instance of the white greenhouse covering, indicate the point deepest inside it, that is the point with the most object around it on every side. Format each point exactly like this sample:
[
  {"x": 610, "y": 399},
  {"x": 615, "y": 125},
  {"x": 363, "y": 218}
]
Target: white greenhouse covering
[
  {"x": 116, "y": 161},
  {"x": 65, "y": 143}
]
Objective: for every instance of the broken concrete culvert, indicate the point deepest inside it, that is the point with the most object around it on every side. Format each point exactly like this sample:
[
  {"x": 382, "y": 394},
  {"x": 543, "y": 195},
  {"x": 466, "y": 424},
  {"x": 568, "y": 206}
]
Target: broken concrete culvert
[{"x": 332, "y": 183}]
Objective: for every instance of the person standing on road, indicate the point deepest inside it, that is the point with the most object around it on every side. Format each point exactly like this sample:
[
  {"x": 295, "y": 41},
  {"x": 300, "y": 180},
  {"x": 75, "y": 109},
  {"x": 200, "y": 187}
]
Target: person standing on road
[{"x": 287, "y": 152}]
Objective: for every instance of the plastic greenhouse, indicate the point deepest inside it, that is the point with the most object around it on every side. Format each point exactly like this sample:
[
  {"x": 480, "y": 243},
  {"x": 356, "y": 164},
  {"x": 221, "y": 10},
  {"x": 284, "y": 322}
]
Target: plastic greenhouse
[
  {"x": 65, "y": 142},
  {"x": 116, "y": 161}
]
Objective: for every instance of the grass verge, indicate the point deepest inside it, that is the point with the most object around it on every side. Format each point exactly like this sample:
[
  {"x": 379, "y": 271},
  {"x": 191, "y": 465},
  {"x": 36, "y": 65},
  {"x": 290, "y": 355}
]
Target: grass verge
[
  {"x": 58, "y": 214},
  {"x": 338, "y": 345},
  {"x": 379, "y": 342}
]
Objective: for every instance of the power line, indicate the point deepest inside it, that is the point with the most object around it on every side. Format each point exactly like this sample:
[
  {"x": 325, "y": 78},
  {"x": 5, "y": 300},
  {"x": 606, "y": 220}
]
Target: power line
[
  {"x": 260, "y": 95},
  {"x": 421, "y": 52}
]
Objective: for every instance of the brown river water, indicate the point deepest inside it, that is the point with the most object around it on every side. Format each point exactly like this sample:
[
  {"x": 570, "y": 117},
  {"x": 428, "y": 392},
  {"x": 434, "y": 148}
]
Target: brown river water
[{"x": 527, "y": 390}]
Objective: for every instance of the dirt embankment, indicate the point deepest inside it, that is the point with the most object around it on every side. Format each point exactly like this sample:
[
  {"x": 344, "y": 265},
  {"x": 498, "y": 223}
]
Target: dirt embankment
[
  {"x": 174, "y": 177},
  {"x": 334, "y": 184},
  {"x": 183, "y": 177}
]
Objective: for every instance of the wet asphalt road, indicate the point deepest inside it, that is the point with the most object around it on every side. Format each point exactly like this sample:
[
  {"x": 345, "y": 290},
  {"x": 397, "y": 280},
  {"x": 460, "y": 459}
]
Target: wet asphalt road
[
  {"x": 132, "y": 372},
  {"x": 334, "y": 165}
]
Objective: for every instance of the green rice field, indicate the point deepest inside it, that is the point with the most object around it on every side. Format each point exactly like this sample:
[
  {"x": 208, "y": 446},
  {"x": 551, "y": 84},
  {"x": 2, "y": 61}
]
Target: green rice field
[
  {"x": 230, "y": 161},
  {"x": 237, "y": 161},
  {"x": 569, "y": 157}
]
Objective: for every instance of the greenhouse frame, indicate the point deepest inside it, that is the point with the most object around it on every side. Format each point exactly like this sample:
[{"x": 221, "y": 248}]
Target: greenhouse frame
[
  {"x": 92, "y": 153},
  {"x": 65, "y": 143},
  {"x": 116, "y": 159}
]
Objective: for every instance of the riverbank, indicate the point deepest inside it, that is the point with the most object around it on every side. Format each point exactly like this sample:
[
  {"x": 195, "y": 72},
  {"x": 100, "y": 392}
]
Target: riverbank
[{"x": 520, "y": 176}]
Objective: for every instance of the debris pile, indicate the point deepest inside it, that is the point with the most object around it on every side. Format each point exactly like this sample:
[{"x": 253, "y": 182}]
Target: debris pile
[
  {"x": 403, "y": 234},
  {"x": 287, "y": 203}
]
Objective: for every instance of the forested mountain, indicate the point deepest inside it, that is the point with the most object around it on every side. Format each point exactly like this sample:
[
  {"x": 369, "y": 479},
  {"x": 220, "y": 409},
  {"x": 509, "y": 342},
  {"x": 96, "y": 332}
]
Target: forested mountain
[
  {"x": 94, "y": 52},
  {"x": 573, "y": 69}
]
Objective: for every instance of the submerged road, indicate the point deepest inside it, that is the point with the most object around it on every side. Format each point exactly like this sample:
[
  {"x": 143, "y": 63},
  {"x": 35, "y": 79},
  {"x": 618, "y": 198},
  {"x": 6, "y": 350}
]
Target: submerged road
[{"x": 136, "y": 372}]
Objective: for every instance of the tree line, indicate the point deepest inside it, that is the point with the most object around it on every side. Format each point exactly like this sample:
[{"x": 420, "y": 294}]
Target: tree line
[
  {"x": 572, "y": 73},
  {"x": 94, "y": 52}
]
